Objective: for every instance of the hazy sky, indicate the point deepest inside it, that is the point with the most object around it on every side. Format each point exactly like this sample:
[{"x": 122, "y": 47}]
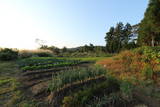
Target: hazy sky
[{"x": 63, "y": 22}]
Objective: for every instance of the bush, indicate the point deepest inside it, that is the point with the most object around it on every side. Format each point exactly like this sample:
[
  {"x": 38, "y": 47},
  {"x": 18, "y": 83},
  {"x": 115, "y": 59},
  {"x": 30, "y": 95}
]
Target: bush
[{"x": 8, "y": 54}]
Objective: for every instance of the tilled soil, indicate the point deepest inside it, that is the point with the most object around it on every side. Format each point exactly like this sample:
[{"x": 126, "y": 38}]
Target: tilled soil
[{"x": 35, "y": 83}]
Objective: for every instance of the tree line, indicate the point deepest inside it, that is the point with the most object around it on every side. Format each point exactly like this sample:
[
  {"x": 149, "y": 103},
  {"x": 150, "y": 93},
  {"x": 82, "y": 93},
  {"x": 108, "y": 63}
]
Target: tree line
[
  {"x": 119, "y": 38},
  {"x": 126, "y": 36},
  {"x": 82, "y": 49},
  {"x": 148, "y": 31}
]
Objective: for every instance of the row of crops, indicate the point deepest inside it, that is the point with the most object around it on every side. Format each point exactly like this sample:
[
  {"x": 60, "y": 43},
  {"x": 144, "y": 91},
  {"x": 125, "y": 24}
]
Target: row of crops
[
  {"x": 89, "y": 87},
  {"x": 71, "y": 76},
  {"x": 66, "y": 83},
  {"x": 46, "y": 63},
  {"x": 69, "y": 85}
]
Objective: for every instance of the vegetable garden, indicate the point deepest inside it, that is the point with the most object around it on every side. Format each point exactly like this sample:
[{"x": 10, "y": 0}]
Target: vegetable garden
[{"x": 67, "y": 82}]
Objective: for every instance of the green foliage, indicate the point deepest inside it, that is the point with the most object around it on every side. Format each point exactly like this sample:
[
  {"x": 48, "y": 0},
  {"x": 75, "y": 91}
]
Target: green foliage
[
  {"x": 89, "y": 59},
  {"x": 85, "y": 54},
  {"x": 36, "y": 63},
  {"x": 43, "y": 54},
  {"x": 113, "y": 82},
  {"x": 119, "y": 38},
  {"x": 39, "y": 61},
  {"x": 64, "y": 49},
  {"x": 149, "y": 30},
  {"x": 7, "y": 54},
  {"x": 148, "y": 71},
  {"x": 113, "y": 100},
  {"x": 54, "y": 49},
  {"x": 126, "y": 88},
  {"x": 4, "y": 81},
  {"x": 47, "y": 66},
  {"x": 82, "y": 51},
  {"x": 73, "y": 76},
  {"x": 83, "y": 97},
  {"x": 149, "y": 53}
]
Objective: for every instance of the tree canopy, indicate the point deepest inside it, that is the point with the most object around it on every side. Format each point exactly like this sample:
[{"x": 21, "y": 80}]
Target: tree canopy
[
  {"x": 149, "y": 31},
  {"x": 119, "y": 38}
]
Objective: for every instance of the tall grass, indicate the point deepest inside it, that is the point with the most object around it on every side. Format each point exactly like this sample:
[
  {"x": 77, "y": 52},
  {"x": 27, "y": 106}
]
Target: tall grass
[
  {"x": 73, "y": 76},
  {"x": 93, "y": 92}
]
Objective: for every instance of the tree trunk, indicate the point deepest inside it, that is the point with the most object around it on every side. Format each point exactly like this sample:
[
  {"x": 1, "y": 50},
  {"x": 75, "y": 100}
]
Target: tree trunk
[{"x": 153, "y": 41}]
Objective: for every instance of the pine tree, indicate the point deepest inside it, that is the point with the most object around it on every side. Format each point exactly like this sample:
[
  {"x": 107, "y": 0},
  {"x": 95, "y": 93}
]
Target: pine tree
[
  {"x": 118, "y": 38},
  {"x": 109, "y": 40},
  {"x": 149, "y": 31},
  {"x": 126, "y": 35}
]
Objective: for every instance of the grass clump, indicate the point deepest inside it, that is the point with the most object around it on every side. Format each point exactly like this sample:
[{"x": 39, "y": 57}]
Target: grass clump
[
  {"x": 73, "y": 76},
  {"x": 83, "y": 97}
]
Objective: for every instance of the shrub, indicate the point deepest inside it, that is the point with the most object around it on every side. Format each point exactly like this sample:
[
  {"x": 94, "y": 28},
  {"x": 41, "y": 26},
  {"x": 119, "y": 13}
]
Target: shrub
[{"x": 7, "y": 54}]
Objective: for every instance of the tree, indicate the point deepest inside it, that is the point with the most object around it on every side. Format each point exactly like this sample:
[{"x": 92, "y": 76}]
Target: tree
[
  {"x": 64, "y": 49},
  {"x": 118, "y": 38},
  {"x": 149, "y": 31},
  {"x": 109, "y": 40},
  {"x": 91, "y": 47},
  {"x": 43, "y": 47},
  {"x": 118, "y": 33},
  {"x": 126, "y": 35}
]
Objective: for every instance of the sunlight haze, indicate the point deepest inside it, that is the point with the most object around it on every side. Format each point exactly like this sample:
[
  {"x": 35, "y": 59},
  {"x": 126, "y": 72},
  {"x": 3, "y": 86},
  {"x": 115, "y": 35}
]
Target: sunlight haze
[{"x": 61, "y": 23}]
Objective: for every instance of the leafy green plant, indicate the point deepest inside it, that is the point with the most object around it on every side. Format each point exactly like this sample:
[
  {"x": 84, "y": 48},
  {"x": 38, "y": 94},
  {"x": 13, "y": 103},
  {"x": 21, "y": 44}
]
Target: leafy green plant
[{"x": 46, "y": 63}]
